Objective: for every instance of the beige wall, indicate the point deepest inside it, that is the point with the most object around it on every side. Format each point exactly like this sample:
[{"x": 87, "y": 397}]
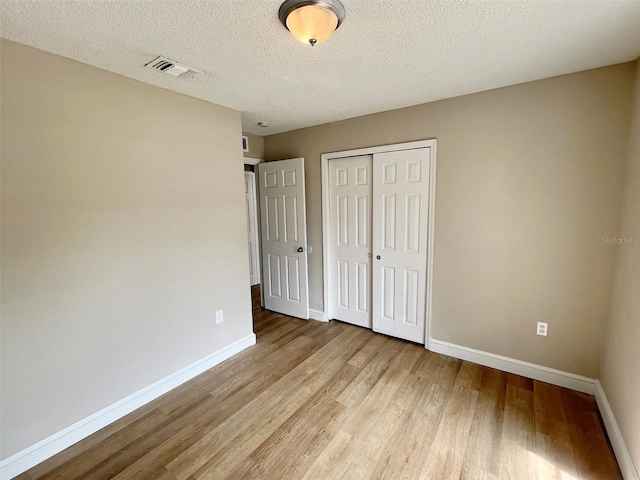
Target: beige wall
[
  {"x": 123, "y": 231},
  {"x": 528, "y": 183},
  {"x": 256, "y": 146},
  {"x": 620, "y": 372}
]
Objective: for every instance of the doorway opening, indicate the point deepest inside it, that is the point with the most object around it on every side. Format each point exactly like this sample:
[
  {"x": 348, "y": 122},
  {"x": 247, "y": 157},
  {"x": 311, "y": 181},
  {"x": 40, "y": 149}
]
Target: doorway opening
[{"x": 253, "y": 229}]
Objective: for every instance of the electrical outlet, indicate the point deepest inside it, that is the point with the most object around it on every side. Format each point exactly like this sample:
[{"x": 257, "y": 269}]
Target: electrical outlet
[
  {"x": 219, "y": 317},
  {"x": 542, "y": 329}
]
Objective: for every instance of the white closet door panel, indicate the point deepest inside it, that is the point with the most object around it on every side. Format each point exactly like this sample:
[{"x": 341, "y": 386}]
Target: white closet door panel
[
  {"x": 400, "y": 227},
  {"x": 350, "y": 216}
]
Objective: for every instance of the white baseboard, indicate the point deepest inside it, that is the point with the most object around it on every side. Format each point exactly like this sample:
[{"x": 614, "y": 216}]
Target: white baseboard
[
  {"x": 317, "y": 315},
  {"x": 512, "y": 365},
  {"x": 44, "y": 449},
  {"x": 554, "y": 377},
  {"x": 627, "y": 468}
]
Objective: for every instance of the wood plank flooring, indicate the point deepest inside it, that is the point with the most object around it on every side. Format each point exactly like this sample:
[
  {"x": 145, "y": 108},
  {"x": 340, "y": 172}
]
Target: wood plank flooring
[{"x": 334, "y": 401}]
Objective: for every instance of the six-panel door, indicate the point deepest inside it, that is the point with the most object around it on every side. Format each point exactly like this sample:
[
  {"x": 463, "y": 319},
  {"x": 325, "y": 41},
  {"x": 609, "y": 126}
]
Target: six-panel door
[
  {"x": 284, "y": 237},
  {"x": 350, "y": 217},
  {"x": 400, "y": 232}
]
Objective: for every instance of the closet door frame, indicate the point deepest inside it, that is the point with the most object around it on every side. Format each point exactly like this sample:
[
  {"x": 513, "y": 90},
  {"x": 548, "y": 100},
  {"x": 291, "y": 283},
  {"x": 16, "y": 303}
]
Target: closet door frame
[{"x": 325, "y": 158}]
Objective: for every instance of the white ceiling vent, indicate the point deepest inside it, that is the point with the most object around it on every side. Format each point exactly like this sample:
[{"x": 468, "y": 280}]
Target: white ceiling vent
[{"x": 172, "y": 68}]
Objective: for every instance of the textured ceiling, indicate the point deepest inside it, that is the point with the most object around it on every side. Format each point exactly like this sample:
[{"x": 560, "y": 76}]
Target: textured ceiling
[{"x": 388, "y": 53}]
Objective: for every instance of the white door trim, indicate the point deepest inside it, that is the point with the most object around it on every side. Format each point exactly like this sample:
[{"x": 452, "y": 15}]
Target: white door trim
[
  {"x": 255, "y": 241},
  {"x": 252, "y": 160},
  {"x": 326, "y": 224}
]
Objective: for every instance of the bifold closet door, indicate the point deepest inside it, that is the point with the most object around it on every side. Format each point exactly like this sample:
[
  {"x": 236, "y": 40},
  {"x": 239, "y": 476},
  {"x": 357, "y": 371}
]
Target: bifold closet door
[
  {"x": 350, "y": 218},
  {"x": 400, "y": 233}
]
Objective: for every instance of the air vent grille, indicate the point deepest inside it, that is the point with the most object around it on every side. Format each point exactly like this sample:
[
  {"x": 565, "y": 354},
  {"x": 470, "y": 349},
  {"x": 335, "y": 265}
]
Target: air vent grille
[{"x": 173, "y": 68}]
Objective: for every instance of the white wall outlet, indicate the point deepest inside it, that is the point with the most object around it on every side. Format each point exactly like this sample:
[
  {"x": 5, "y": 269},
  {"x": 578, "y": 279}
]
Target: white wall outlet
[
  {"x": 542, "y": 329},
  {"x": 220, "y": 317}
]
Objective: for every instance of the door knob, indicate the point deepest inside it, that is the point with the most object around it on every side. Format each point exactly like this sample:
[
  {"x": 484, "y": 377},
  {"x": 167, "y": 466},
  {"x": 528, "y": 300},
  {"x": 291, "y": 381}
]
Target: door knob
[
  {"x": 377, "y": 257},
  {"x": 369, "y": 255},
  {"x": 300, "y": 249}
]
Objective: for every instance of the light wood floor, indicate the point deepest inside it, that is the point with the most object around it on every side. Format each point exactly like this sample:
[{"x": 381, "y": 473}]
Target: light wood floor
[{"x": 333, "y": 401}]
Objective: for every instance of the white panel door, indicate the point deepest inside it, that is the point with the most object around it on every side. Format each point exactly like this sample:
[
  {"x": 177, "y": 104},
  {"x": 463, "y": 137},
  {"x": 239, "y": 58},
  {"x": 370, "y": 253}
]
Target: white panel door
[
  {"x": 252, "y": 226},
  {"x": 400, "y": 227},
  {"x": 350, "y": 217},
  {"x": 284, "y": 237}
]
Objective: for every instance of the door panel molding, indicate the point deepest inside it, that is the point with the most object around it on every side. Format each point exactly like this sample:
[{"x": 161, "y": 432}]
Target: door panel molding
[{"x": 413, "y": 174}]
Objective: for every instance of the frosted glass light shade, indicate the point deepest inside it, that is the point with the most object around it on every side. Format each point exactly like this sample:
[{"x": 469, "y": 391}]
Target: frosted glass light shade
[
  {"x": 312, "y": 24},
  {"x": 311, "y": 21}
]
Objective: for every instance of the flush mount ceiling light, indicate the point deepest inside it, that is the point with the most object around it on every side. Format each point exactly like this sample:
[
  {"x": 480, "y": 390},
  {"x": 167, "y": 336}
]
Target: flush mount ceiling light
[{"x": 311, "y": 21}]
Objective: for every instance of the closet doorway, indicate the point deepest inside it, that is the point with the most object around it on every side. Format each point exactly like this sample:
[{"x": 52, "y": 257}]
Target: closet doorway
[{"x": 378, "y": 219}]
